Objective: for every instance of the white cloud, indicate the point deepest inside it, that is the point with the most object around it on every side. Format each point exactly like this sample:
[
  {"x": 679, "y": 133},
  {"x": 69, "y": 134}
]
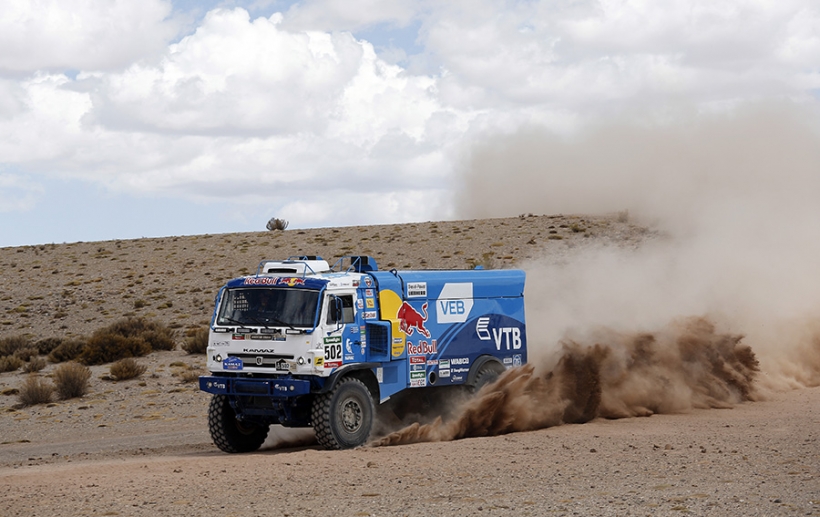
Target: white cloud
[
  {"x": 332, "y": 15},
  {"x": 270, "y": 109},
  {"x": 58, "y": 35}
]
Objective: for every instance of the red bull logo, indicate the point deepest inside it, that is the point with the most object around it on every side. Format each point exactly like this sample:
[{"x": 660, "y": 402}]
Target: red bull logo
[
  {"x": 411, "y": 320},
  {"x": 289, "y": 281}
]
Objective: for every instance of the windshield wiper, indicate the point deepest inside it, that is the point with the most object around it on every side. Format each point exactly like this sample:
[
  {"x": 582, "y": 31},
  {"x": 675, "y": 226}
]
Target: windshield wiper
[{"x": 282, "y": 323}]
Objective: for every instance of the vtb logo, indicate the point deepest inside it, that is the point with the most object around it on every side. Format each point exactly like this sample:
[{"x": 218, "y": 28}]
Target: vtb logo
[{"x": 509, "y": 337}]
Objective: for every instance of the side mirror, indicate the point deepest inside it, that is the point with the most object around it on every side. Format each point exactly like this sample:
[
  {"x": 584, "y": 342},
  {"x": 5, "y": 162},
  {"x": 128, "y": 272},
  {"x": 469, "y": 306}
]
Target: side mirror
[{"x": 335, "y": 308}]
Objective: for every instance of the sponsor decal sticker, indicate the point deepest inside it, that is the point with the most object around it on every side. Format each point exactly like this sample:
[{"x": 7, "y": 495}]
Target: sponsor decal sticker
[
  {"x": 368, "y": 282},
  {"x": 289, "y": 281},
  {"x": 517, "y": 360},
  {"x": 333, "y": 339},
  {"x": 417, "y": 289},
  {"x": 333, "y": 354},
  {"x": 444, "y": 373},
  {"x": 422, "y": 348},
  {"x": 506, "y": 338},
  {"x": 360, "y": 303},
  {"x": 418, "y": 383},
  {"x": 443, "y": 363},
  {"x": 220, "y": 343},
  {"x": 263, "y": 337},
  {"x": 455, "y": 303},
  {"x": 232, "y": 363},
  {"x": 432, "y": 362},
  {"x": 507, "y": 360},
  {"x": 371, "y": 303},
  {"x": 417, "y": 367},
  {"x": 238, "y": 337},
  {"x": 416, "y": 375},
  {"x": 370, "y": 315},
  {"x": 318, "y": 361},
  {"x": 368, "y": 292},
  {"x": 411, "y": 320},
  {"x": 417, "y": 359},
  {"x": 460, "y": 360}
]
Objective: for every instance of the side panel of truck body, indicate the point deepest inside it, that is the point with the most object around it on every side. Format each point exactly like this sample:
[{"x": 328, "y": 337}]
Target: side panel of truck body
[{"x": 441, "y": 322}]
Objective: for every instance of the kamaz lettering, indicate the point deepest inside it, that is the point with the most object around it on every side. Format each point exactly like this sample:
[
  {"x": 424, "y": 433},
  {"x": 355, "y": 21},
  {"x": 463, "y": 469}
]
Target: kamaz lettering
[{"x": 350, "y": 338}]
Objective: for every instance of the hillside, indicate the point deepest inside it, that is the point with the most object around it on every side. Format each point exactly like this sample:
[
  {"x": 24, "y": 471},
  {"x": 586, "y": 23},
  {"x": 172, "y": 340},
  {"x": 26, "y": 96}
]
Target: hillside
[{"x": 74, "y": 288}]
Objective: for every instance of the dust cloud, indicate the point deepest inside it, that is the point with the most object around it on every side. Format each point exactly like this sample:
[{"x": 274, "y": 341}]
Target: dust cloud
[
  {"x": 720, "y": 307},
  {"x": 687, "y": 365},
  {"x": 734, "y": 196}
]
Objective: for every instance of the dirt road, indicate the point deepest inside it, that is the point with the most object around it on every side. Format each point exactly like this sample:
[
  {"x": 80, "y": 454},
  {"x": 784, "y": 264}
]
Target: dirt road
[{"x": 760, "y": 458}]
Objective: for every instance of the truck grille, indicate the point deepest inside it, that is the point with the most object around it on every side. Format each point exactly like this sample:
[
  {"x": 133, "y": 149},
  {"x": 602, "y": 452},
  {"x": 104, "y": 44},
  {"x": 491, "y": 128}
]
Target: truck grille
[{"x": 273, "y": 361}]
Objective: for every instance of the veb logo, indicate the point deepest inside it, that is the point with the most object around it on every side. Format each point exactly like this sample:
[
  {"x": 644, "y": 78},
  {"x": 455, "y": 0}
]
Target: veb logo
[{"x": 455, "y": 303}]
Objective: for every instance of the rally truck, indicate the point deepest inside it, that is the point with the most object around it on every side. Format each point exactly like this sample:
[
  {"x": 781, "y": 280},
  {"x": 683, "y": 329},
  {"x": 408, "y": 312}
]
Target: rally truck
[{"x": 304, "y": 344}]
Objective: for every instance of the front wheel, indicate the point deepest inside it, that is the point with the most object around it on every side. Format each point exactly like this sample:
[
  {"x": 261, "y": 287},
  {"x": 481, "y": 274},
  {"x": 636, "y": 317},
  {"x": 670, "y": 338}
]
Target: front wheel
[
  {"x": 343, "y": 417},
  {"x": 228, "y": 433}
]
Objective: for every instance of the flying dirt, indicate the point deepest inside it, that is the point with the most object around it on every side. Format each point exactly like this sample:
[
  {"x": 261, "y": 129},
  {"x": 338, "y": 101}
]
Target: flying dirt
[{"x": 687, "y": 365}]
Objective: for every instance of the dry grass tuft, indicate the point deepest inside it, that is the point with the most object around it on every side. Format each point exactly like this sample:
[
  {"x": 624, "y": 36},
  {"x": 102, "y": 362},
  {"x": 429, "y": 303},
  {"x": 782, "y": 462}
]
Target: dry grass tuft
[
  {"x": 10, "y": 345},
  {"x": 71, "y": 380},
  {"x": 34, "y": 365},
  {"x": 127, "y": 368},
  {"x": 10, "y": 363},
  {"x": 196, "y": 343},
  {"x": 66, "y": 351},
  {"x": 35, "y": 390},
  {"x": 130, "y": 337}
]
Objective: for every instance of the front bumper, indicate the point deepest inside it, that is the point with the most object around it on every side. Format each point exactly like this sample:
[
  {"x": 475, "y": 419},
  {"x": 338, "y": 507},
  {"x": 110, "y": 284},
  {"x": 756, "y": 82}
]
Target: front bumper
[{"x": 278, "y": 388}]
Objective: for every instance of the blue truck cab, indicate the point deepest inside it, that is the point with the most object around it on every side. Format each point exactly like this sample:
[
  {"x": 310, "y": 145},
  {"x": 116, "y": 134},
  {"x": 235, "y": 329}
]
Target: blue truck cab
[{"x": 303, "y": 344}]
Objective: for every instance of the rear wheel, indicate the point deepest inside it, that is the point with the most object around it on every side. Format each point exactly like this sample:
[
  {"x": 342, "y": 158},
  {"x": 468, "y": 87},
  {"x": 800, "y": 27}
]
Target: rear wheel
[
  {"x": 343, "y": 417},
  {"x": 228, "y": 433},
  {"x": 488, "y": 373}
]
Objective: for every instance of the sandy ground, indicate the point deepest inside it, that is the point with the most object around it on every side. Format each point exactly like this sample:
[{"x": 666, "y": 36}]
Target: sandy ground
[
  {"x": 760, "y": 458},
  {"x": 141, "y": 447}
]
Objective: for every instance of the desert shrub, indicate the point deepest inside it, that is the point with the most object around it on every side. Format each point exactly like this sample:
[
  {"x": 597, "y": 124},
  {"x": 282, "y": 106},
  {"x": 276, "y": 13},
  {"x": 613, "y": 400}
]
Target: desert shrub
[
  {"x": 35, "y": 390},
  {"x": 71, "y": 380},
  {"x": 196, "y": 343},
  {"x": 47, "y": 345},
  {"x": 127, "y": 368},
  {"x": 66, "y": 351},
  {"x": 26, "y": 353},
  {"x": 190, "y": 375},
  {"x": 276, "y": 224},
  {"x": 157, "y": 335},
  {"x": 9, "y": 345},
  {"x": 34, "y": 365},
  {"x": 107, "y": 347},
  {"x": 129, "y": 337},
  {"x": 9, "y": 363}
]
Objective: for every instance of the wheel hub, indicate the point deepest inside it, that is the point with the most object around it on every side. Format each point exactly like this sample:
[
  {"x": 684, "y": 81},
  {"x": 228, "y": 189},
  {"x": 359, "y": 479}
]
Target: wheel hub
[{"x": 351, "y": 415}]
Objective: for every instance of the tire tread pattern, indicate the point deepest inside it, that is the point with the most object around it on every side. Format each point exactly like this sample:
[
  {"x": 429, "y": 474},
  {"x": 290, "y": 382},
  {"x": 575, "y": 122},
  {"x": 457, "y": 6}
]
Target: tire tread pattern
[{"x": 224, "y": 433}]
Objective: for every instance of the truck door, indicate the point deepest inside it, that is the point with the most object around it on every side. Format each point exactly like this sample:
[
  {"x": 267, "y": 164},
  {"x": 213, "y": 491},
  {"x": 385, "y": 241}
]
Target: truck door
[{"x": 341, "y": 330}]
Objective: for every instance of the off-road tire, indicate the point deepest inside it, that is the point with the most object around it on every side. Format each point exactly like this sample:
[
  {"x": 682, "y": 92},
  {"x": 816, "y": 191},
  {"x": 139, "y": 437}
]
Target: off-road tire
[
  {"x": 228, "y": 433},
  {"x": 343, "y": 417},
  {"x": 488, "y": 373}
]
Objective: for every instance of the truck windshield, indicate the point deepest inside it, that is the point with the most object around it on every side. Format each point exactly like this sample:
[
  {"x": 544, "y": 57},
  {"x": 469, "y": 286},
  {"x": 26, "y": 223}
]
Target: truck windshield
[{"x": 269, "y": 307}]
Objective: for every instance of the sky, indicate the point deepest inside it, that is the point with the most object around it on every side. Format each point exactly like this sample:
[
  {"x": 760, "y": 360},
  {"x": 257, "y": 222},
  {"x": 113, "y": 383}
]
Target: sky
[{"x": 123, "y": 119}]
